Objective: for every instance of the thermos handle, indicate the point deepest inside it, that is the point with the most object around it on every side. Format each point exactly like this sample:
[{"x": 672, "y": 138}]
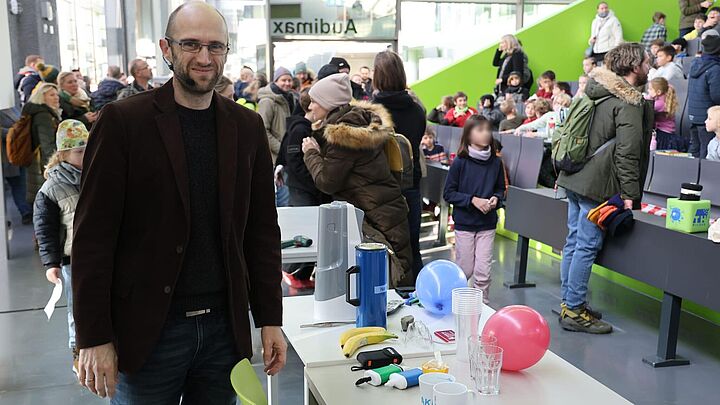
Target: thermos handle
[{"x": 355, "y": 301}]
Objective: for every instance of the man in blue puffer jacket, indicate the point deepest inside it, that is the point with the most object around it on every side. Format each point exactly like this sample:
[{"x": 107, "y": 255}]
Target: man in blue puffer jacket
[
  {"x": 704, "y": 92},
  {"x": 108, "y": 89}
]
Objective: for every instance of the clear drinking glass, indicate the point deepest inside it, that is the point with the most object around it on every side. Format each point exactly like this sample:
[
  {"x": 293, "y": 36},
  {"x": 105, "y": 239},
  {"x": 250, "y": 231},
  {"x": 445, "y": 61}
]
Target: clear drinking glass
[
  {"x": 476, "y": 343},
  {"x": 485, "y": 366}
]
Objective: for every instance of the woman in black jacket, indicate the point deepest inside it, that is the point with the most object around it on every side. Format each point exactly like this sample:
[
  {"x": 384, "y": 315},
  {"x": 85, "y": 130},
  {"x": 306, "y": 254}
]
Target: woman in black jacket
[
  {"x": 408, "y": 117},
  {"x": 509, "y": 57}
]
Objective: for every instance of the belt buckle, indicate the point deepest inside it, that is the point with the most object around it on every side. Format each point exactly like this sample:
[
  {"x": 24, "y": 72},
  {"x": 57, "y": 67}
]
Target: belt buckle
[{"x": 191, "y": 314}]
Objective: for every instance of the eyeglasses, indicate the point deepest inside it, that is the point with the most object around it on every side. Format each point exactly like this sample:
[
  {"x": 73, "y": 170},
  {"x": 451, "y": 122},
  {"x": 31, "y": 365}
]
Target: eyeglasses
[{"x": 215, "y": 48}]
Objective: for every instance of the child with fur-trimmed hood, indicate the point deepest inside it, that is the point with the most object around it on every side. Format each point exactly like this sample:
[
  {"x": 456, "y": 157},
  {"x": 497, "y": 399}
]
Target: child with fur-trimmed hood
[{"x": 352, "y": 166}]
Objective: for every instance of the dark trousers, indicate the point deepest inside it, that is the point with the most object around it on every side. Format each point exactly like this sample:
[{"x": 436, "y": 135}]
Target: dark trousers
[
  {"x": 192, "y": 360},
  {"x": 668, "y": 141},
  {"x": 18, "y": 187},
  {"x": 414, "y": 202},
  {"x": 303, "y": 198},
  {"x": 699, "y": 140}
]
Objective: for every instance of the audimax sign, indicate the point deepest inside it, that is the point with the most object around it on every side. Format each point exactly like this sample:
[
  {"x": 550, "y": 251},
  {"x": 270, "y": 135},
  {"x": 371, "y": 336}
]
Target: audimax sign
[{"x": 333, "y": 19}]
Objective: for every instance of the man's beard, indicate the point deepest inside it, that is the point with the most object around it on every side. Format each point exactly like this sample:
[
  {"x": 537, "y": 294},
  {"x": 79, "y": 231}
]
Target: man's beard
[
  {"x": 192, "y": 85},
  {"x": 641, "y": 80}
]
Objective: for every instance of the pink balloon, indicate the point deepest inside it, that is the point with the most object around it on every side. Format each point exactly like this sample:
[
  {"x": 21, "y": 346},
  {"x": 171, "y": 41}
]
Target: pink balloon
[{"x": 522, "y": 333}]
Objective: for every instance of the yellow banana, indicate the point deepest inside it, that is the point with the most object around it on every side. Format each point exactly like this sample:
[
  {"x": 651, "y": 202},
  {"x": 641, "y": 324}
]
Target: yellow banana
[
  {"x": 356, "y": 342},
  {"x": 358, "y": 331}
]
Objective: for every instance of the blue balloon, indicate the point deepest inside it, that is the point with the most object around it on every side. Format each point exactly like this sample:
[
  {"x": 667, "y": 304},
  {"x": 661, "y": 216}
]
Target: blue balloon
[{"x": 435, "y": 283}]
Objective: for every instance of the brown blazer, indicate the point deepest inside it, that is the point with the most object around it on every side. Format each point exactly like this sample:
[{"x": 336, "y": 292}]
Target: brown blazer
[{"x": 132, "y": 224}]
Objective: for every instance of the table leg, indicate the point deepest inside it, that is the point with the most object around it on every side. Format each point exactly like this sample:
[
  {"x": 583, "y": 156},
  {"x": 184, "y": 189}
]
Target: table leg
[
  {"x": 668, "y": 334},
  {"x": 443, "y": 224},
  {"x": 273, "y": 388},
  {"x": 521, "y": 259}
]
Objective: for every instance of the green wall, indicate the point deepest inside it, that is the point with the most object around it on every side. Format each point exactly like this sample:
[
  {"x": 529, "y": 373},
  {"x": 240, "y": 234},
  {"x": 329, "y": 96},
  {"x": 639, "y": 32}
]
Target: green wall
[{"x": 557, "y": 43}]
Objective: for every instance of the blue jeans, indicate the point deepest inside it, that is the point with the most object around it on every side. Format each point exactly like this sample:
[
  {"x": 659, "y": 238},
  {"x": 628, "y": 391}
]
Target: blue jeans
[
  {"x": 414, "y": 202},
  {"x": 584, "y": 241},
  {"x": 18, "y": 186},
  {"x": 67, "y": 279},
  {"x": 192, "y": 360}
]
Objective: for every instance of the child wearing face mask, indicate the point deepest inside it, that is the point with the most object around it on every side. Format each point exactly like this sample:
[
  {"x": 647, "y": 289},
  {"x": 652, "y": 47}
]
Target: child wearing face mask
[
  {"x": 475, "y": 186},
  {"x": 55, "y": 209}
]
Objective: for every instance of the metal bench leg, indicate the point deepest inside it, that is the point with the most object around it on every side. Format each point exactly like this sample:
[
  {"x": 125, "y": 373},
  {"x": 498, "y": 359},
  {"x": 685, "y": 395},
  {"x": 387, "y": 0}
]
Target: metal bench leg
[
  {"x": 443, "y": 224},
  {"x": 521, "y": 259},
  {"x": 668, "y": 335}
]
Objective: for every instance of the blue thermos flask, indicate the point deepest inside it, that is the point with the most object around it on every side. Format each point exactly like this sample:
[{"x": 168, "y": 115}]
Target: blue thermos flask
[{"x": 371, "y": 267}]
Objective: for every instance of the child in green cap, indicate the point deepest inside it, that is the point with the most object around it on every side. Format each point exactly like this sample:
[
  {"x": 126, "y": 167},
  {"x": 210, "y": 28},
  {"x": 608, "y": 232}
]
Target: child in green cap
[{"x": 55, "y": 208}]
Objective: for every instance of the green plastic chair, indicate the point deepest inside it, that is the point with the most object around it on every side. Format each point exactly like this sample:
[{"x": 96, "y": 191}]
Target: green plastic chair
[{"x": 247, "y": 385}]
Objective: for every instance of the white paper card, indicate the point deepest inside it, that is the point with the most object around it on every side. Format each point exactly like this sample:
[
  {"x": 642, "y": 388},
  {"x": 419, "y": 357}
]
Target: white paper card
[{"x": 54, "y": 298}]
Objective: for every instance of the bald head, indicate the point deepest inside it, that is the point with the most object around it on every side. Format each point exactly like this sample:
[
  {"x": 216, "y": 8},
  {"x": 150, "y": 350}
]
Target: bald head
[{"x": 193, "y": 11}]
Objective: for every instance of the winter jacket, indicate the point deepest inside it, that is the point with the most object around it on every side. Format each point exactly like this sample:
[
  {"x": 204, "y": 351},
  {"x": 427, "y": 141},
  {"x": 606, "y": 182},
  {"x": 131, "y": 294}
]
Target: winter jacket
[
  {"x": 274, "y": 110},
  {"x": 298, "y": 176},
  {"x": 409, "y": 120},
  {"x": 44, "y": 124},
  {"x": 358, "y": 92},
  {"x": 437, "y": 117},
  {"x": 459, "y": 121},
  {"x": 703, "y": 87},
  {"x": 106, "y": 92},
  {"x": 663, "y": 121},
  {"x": 689, "y": 9},
  {"x": 621, "y": 167},
  {"x": 131, "y": 90},
  {"x": 607, "y": 31},
  {"x": 672, "y": 73},
  {"x": 507, "y": 64},
  {"x": 239, "y": 89},
  {"x": 468, "y": 178},
  {"x": 71, "y": 111},
  {"x": 352, "y": 166},
  {"x": 25, "y": 81},
  {"x": 519, "y": 93},
  {"x": 54, "y": 212},
  {"x": 493, "y": 115}
]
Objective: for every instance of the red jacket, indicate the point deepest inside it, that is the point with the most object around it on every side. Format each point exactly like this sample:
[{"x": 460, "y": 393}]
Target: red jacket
[
  {"x": 459, "y": 121},
  {"x": 541, "y": 93}
]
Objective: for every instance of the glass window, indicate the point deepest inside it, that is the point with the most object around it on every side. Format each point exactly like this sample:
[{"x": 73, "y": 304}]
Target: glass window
[
  {"x": 81, "y": 33},
  {"x": 534, "y": 13}
]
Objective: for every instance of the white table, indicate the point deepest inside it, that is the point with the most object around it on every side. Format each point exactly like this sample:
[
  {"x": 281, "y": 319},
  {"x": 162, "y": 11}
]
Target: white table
[
  {"x": 295, "y": 221},
  {"x": 319, "y": 347},
  {"x": 550, "y": 382}
]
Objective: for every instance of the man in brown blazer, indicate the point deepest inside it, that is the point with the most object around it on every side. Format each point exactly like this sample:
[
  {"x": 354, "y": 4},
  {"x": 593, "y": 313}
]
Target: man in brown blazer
[{"x": 176, "y": 233}]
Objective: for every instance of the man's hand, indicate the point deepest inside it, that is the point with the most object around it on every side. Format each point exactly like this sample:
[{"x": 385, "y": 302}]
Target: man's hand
[
  {"x": 498, "y": 80},
  {"x": 274, "y": 349},
  {"x": 593, "y": 40},
  {"x": 53, "y": 275},
  {"x": 98, "y": 369},
  {"x": 706, "y": 4},
  {"x": 628, "y": 204},
  {"x": 309, "y": 143}
]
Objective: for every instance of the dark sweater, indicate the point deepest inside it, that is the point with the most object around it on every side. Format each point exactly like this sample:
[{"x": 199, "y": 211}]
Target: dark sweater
[
  {"x": 202, "y": 281},
  {"x": 470, "y": 178},
  {"x": 409, "y": 120}
]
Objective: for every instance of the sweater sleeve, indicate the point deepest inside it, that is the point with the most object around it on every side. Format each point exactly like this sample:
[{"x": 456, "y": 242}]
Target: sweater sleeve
[
  {"x": 499, "y": 189},
  {"x": 497, "y": 59},
  {"x": 452, "y": 194},
  {"x": 714, "y": 77},
  {"x": 47, "y": 223},
  {"x": 687, "y": 9}
]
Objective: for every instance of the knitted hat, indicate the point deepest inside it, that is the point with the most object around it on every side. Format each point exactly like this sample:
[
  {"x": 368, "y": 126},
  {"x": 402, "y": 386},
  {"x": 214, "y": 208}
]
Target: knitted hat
[
  {"x": 48, "y": 73},
  {"x": 301, "y": 67},
  {"x": 71, "y": 134},
  {"x": 341, "y": 63},
  {"x": 332, "y": 92},
  {"x": 280, "y": 72},
  {"x": 711, "y": 45},
  {"x": 326, "y": 71},
  {"x": 622, "y": 223}
]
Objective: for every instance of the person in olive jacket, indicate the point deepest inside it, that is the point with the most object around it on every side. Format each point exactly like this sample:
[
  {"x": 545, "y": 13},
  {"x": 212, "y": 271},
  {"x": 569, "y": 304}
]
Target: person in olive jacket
[
  {"x": 352, "y": 166},
  {"x": 44, "y": 108},
  {"x": 622, "y": 127}
]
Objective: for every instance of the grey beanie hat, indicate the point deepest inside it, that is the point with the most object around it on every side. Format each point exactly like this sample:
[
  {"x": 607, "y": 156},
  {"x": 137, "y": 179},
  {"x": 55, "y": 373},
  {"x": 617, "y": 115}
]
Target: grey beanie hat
[
  {"x": 332, "y": 92},
  {"x": 711, "y": 45},
  {"x": 280, "y": 72}
]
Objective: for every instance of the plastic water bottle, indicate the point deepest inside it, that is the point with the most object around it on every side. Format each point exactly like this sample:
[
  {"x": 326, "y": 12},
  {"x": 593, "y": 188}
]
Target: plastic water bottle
[{"x": 551, "y": 127}]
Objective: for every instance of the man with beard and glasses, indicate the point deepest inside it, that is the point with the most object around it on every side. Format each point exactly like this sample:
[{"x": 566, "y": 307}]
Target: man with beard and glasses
[
  {"x": 619, "y": 154},
  {"x": 176, "y": 234}
]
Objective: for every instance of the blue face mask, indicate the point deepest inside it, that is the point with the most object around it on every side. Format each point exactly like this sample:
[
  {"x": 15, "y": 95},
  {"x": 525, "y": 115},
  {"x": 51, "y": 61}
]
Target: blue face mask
[{"x": 603, "y": 14}]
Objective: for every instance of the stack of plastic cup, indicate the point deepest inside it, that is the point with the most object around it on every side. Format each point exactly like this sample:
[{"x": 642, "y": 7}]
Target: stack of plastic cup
[{"x": 467, "y": 307}]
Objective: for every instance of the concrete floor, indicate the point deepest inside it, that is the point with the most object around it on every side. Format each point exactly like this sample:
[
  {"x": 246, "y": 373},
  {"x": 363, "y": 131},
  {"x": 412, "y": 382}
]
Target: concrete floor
[{"x": 35, "y": 361}]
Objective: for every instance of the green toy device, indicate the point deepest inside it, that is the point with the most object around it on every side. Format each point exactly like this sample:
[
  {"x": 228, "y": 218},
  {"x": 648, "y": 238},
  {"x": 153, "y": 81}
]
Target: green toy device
[{"x": 688, "y": 216}]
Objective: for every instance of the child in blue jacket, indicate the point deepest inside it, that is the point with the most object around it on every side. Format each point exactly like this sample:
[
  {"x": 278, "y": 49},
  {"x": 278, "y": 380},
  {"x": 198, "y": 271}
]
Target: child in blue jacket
[{"x": 475, "y": 187}]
